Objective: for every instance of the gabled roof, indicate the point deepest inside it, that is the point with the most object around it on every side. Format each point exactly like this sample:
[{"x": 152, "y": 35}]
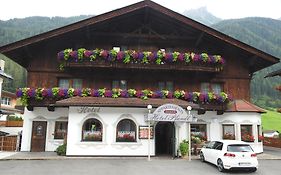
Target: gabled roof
[
  {"x": 243, "y": 106},
  {"x": 252, "y": 53}
]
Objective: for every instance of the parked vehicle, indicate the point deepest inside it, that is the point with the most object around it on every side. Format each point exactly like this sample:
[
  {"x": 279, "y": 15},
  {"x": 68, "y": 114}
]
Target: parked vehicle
[{"x": 230, "y": 155}]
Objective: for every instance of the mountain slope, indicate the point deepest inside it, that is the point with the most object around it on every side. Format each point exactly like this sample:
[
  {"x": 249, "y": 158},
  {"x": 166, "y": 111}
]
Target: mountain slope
[
  {"x": 17, "y": 29},
  {"x": 264, "y": 34},
  {"x": 202, "y": 15}
]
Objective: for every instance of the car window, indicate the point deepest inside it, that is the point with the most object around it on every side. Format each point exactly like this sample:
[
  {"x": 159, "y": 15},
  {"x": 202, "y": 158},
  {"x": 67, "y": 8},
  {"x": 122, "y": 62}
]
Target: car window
[
  {"x": 217, "y": 146},
  {"x": 239, "y": 148},
  {"x": 210, "y": 145}
]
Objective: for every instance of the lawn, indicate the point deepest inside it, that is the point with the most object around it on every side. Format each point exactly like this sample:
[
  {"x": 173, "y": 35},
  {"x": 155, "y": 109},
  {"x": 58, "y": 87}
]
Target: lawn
[{"x": 271, "y": 121}]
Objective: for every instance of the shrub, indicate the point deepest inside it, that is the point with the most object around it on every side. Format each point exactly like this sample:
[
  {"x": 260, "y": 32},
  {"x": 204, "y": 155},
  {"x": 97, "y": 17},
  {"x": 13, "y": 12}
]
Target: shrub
[
  {"x": 61, "y": 150},
  {"x": 184, "y": 147}
]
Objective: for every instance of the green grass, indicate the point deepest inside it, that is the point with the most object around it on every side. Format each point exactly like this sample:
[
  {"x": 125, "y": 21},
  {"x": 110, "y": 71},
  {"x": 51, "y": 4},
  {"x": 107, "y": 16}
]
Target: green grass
[{"x": 271, "y": 121}]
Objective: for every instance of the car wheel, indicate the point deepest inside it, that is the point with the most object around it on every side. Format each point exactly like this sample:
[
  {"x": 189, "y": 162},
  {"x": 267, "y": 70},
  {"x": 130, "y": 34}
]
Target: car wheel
[
  {"x": 220, "y": 165},
  {"x": 202, "y": 158}
]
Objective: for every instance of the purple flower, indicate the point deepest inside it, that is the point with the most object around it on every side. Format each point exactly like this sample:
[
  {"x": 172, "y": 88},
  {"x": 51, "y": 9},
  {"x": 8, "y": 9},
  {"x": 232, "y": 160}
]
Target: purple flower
[
  {"x": 139, "y": 94},
  {"x": 95, "y": 93},
  {"x": 135, "y": 55},
  {"x": 62, "y": 93},
  {"x": 124, "y": 94},
  {"x": 45, "y": 93},
  {"x": 88, "y": 53},
  {"x": 104, "y": 54},
  {"x": 120, "y": 56},
  {"x": 169, "y": 57},
  {"x": 61, "y": 55},
  {"x": 181, "y": 57},
  {"x": 170, "y": 95},
  {"x": 77, "y": 92},
  {"x": 152, "y": 56},
  {"x": 19, "y": 93},
  {"x": 74, "y": 55},
  {"x": 31, "y": 93},
  {"x": 49, "y": 92},
  {"x": 196, "y": 57},
  {"x": 188, "y": 96},
  {"x": 108, "y": 93},
  {"x": 141, "y": 55}
]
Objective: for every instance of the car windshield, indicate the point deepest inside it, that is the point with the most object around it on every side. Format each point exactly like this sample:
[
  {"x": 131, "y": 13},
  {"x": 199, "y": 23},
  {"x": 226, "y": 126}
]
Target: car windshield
[{"x": 239, "y": 148}]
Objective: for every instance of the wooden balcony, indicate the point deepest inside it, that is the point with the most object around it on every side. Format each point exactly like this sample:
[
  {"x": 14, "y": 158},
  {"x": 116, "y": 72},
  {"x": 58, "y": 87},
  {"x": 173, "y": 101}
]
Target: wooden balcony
[
  {"x": 11, "y": 123},
  {"x": 115, "y": 65}
]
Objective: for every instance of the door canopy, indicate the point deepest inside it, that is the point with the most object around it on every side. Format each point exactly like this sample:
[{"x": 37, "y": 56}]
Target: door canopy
[{"x": 169, "y": 112}]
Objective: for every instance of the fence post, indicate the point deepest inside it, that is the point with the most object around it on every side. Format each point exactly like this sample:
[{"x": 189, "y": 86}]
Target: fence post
[{"x": 2, "y": 143}]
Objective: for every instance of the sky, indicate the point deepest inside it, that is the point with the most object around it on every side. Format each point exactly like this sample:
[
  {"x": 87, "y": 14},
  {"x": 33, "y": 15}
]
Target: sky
[{"x": 225, "y": 9}]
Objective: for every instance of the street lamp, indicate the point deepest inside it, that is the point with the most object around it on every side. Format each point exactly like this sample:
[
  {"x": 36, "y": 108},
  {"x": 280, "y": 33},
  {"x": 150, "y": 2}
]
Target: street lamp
[
  {"x": 149, "y": 107},
  {"x": 189, "y": 137}
]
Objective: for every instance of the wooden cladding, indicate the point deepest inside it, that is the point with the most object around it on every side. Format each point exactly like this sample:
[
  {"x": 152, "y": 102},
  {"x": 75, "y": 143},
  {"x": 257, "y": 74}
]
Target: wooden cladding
[{"x": 178, "y": 67}]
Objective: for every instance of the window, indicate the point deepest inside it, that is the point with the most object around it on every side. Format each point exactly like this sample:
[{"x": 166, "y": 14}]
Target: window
[
  {"x": 211, "y": 87},
  {"x": 92, "y": 130},
  {"x": 168, "y": 85},
  {"x": 77, "y": 83},
  {"x": 70, "y": 83},
  {"x": 126, "y": 131},
  {"x": 228, "y": 132},
  {"x": 199, "y": 131},
  {"x": 218, "y": 146},
  {"x": 246, "y": 133},
  {"x": 60, "y": 130},
  {"x": 6, "y": 101},
  {"x": 239, "y": 148},
  {"x": 119, "y": 84},
  {"x": 260, "y": 135}
]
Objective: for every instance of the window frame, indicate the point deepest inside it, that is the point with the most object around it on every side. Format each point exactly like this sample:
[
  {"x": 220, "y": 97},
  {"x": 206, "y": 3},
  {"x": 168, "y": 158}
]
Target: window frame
[
  {"x": 210, "y": 87},
  {"x": 126, "y": 140},
  {"x": 71, "y": 82},
  {"x": 117, "y": 84},
  {"x": 55, "y": 131},
  {"x": 244, "y": 132},
  {"x": 224, "y": 133},
  {"x": 91, "y": 132}
]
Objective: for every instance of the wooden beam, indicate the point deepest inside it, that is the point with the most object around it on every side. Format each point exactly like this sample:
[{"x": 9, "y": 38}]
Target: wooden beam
[{"x": 199, "y": 39}]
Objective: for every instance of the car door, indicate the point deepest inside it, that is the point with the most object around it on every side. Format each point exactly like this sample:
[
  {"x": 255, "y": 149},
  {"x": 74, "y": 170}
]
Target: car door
[
  {"x": 216, "y": 152},
  {"x": 207, "y": 151}
]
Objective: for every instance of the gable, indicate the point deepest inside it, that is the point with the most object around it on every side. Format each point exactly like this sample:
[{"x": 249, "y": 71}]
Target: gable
[{"x": 137, "y": 24}]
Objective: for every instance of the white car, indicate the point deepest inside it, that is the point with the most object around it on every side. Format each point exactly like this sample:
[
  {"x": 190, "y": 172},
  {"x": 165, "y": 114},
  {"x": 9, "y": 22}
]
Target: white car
[{"x": 230, "y": 155}]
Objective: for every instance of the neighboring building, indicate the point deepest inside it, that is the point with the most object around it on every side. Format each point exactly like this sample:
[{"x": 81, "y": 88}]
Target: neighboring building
[
  {"x": 113, "y": 121},
  {"x": 271, "y": 133},
  {"x": 8, "y": 106}
]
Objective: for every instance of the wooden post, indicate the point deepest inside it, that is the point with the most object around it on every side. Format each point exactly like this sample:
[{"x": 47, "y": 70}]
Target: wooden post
[{"x": 2, "y": 142}]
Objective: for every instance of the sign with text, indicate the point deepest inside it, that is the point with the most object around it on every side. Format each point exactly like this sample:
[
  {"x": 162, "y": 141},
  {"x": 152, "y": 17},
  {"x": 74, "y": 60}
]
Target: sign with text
[
  {"x": 143, "y": 132},
  {"x": 86, "y": 109},
  {"x": 169, "y": 112}
]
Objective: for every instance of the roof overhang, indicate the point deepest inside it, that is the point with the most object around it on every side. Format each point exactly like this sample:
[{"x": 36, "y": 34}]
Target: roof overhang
[{"x": 121, "y": 102}]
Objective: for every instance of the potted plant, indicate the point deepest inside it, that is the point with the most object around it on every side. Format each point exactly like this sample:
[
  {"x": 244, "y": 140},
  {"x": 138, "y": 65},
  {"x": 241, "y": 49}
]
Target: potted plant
[{"x": 184, "y": 149}]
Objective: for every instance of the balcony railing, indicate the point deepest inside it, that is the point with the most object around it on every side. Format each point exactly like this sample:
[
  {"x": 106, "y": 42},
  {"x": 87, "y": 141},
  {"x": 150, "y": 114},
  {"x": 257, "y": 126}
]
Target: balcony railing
[
  {"x": 45, "y": 97},
  {"x": 131, "y": 59}
]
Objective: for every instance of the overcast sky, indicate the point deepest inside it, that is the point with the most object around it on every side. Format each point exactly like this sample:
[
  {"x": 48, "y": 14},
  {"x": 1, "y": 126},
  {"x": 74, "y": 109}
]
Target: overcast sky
[{"x": 224, "y": 9}]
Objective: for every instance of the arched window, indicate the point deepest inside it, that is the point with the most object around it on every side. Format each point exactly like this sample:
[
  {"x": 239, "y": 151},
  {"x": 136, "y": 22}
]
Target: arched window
[
  {"x": 92, "y": 130},
  {"x": 126, "y": 131}
]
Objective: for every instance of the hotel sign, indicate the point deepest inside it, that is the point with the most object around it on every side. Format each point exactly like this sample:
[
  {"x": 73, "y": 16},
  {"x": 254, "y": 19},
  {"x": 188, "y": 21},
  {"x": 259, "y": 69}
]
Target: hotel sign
[{"x": 169, "y": 112}]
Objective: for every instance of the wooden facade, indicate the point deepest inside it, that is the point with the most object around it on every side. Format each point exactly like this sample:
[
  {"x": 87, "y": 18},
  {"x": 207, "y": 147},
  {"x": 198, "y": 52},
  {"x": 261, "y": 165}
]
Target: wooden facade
[{"x": 144, "y": 26}]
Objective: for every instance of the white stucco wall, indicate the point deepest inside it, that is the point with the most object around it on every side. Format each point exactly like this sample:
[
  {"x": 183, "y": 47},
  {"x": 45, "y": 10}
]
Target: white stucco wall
[
  {"x": 42, "y": 114},
  {"x": 110, "y": 116}
]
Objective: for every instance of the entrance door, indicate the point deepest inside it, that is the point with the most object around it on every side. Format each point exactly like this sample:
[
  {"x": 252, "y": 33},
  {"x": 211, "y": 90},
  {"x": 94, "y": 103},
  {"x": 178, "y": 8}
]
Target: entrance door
[
  {"x": 164, "y": 139},
  {"x": 38, "y": 136}
]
